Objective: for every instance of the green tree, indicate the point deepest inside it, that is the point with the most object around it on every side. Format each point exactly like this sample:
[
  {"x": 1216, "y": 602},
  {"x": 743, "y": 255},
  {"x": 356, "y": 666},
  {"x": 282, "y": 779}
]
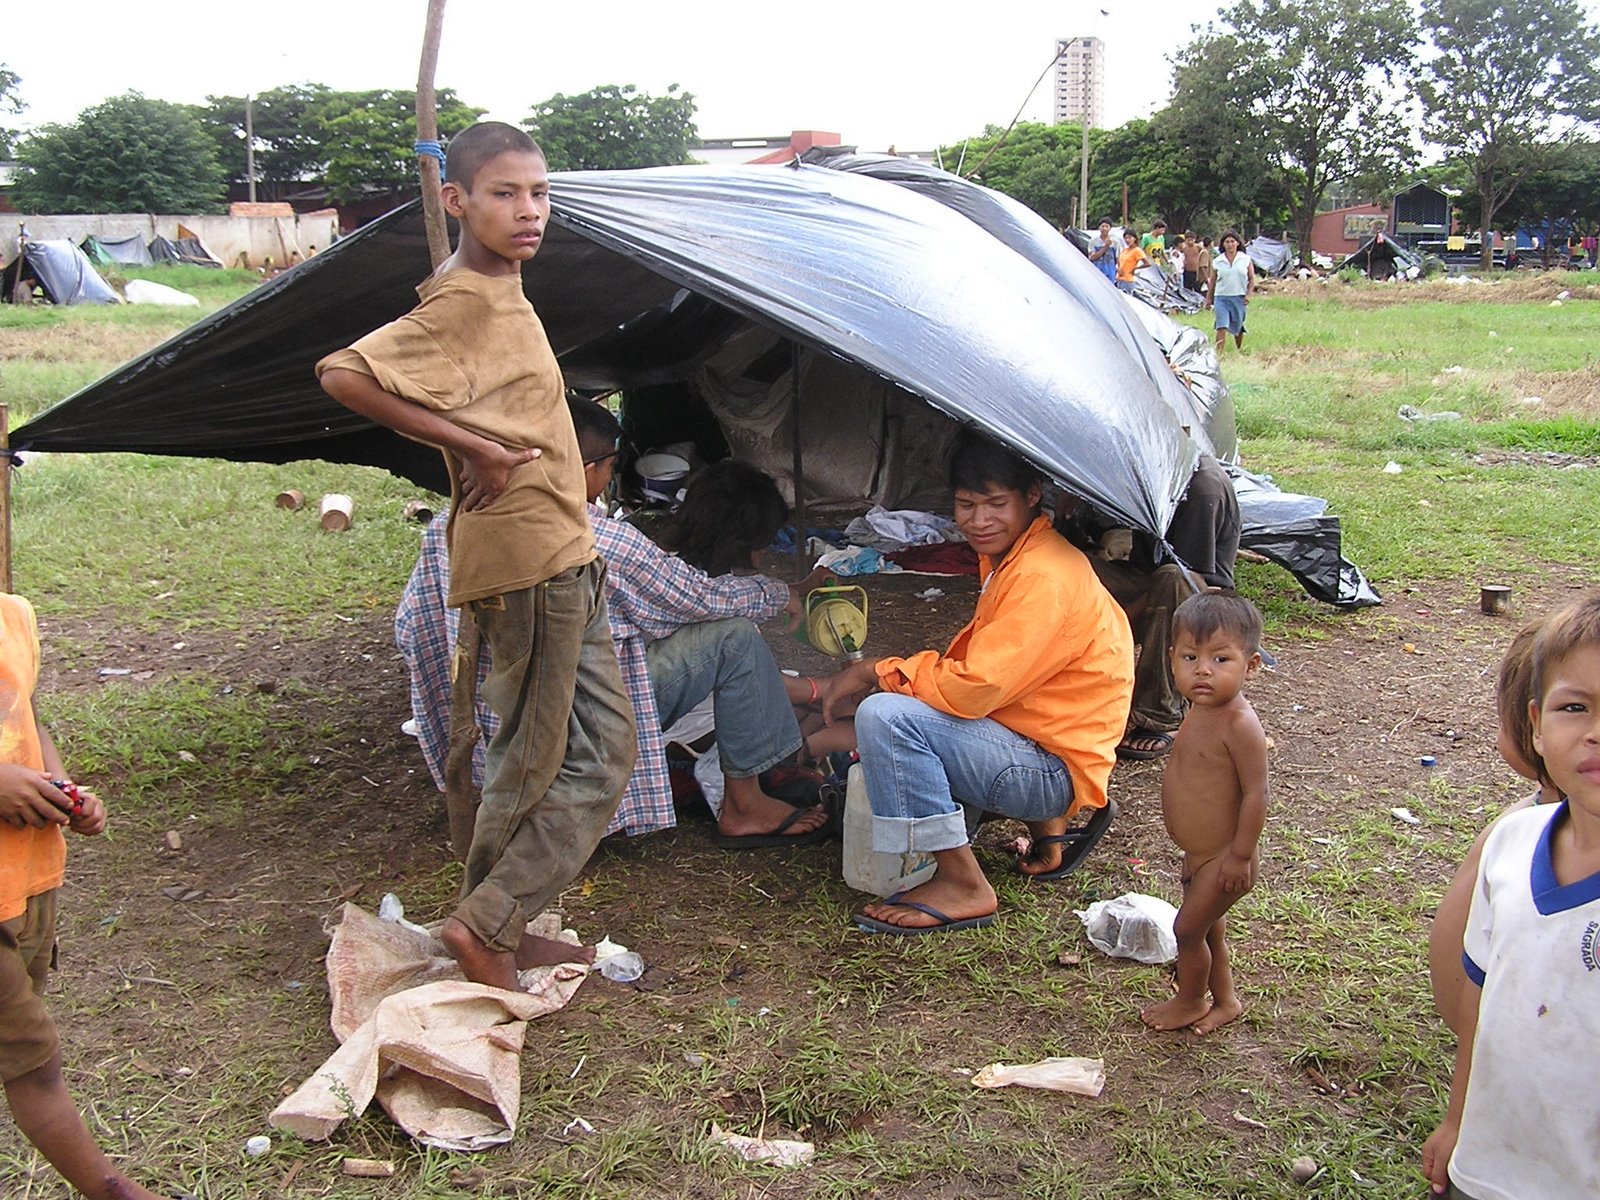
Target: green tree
[
  {"x": 613, "y": 128},
  {"x": 1558, "y": 194},
  {"x": 289, "y": 144},
  {"x": 10, "y": 102},
  {"x": 1502, "y": 73},
  {"x": 1323, "y": 82},
  {"x": 368, "y": 138},
  {"x": 125, "y": 154},
  {"x": 1035, "y": 163},
  {"x": 355, "y": 142}
]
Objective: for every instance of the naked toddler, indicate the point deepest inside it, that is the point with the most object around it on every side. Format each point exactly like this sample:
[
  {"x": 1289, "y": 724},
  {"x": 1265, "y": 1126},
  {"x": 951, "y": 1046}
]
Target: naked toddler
[{"x": 1213, "y": 800}]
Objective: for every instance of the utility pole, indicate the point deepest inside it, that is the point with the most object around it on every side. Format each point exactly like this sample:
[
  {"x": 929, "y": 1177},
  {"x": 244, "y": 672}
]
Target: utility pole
[{"x": 250, "y": 145}]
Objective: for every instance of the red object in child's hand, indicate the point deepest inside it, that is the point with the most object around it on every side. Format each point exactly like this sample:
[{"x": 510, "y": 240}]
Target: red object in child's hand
[{"x": 71, "y": 790}]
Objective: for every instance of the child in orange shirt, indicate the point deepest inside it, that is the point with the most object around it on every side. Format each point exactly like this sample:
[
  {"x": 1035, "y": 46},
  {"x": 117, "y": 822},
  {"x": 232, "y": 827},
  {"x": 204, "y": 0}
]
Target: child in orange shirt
[{"x": 34, "y": 806}]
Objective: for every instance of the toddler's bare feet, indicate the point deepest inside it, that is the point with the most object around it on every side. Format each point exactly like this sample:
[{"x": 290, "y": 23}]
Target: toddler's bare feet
[
  {"x": 1177, "y": 1013},
  {"x": 535, "y": 951},
  {"x": 480, "y": 964},
  {"x": 1221, "y": 1014}
]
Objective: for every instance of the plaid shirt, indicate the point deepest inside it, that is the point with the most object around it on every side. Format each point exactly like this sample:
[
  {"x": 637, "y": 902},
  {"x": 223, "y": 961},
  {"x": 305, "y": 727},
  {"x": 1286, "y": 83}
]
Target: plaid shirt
[{"x": 649, "y": 595}]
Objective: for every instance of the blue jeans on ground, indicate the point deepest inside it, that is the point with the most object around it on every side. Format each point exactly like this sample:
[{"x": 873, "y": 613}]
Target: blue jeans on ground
[
  {"x": 923, "y": 767},
  {"x": 730, "y": 661}
]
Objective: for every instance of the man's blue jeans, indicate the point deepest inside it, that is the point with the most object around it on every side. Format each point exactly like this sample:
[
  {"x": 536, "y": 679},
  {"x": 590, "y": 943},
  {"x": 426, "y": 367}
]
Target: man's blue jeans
[
  {"x": 730, "y": 661},
  {"x": 923, "y": 766}
]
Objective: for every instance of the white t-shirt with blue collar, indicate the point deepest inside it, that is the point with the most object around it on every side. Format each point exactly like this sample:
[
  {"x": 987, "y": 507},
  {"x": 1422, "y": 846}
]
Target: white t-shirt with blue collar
[{"x": 1531, "y": 1126}]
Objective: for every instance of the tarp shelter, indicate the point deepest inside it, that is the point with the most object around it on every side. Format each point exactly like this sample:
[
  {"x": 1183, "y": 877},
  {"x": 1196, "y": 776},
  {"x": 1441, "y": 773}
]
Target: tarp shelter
[
  {"x": 1062, "y": 258},
  {"x": 1271, "y": 257},
  {"x": 105, "y": 251},
  {"x": 1381, "y": 257},
  {"x": 902, "y": 316},
  {"x": 60, "y": 270},
  {"x": 188, "y": 250}
]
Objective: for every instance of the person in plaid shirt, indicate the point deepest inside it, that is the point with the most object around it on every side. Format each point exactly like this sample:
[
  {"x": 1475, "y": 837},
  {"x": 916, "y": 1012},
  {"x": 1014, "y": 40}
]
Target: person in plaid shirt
[{"x": 680, "y": 634}]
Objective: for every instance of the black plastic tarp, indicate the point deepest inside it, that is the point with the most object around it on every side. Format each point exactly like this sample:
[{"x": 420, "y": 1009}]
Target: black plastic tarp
[
  {"x": 1296, "y": 532},
  {"x": 1162, "y": 291},
  {"x": 1381, "y": 257},
  {"x": 1271, "y": 257},
  {"x": 1063, "y": 258},
  {"x": 187, "y": 250},
  {"x": 60, "y": 270},
  {"x": 871, "y": 273}
]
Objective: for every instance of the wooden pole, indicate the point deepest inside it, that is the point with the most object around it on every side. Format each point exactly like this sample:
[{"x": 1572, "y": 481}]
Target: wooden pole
[
  {"x": 428, "y": 131},
  {"x": 799, "y": 486},
  {"x": 5, "y": 497},
  {"x": 464, "y": 731}
]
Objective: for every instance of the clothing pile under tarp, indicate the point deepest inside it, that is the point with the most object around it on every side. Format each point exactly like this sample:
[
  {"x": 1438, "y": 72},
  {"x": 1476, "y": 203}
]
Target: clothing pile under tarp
[
  {"x": 1381, "y": 257},
  {"x": 890, "y": 317},
  {"x": 60, "y": 270},
  {"x": 1271, "y": 257},
  {"x": 105, "y": 251}
]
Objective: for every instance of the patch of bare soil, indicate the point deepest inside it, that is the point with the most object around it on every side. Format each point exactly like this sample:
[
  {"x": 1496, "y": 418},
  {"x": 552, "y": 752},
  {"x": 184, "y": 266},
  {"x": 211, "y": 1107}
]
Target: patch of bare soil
[
  {"x": 1536, "y": 458},
  {"x": 1519, "y": 287},
  {"x": 1574, "y": 393},
  {"x": 198, "y": 972}
]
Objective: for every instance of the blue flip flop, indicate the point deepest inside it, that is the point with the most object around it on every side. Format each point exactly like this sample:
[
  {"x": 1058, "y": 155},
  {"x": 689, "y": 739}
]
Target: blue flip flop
[{"x": 947, "y": 924}]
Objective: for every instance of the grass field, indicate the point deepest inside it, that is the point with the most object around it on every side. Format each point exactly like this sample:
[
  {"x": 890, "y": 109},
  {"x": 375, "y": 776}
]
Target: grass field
[{"x": 266, "y": 734}]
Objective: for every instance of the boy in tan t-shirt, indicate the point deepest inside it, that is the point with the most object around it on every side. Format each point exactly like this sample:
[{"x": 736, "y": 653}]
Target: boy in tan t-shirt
[{"x": 470, "y": 370}]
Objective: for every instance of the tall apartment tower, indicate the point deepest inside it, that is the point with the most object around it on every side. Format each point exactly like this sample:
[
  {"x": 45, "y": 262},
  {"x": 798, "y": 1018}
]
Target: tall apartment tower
[{"x": 1080, "y": 81}]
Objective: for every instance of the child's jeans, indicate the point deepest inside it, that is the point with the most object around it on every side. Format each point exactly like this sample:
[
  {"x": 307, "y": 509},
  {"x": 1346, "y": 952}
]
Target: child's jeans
[{"x": 556, "y": 768}]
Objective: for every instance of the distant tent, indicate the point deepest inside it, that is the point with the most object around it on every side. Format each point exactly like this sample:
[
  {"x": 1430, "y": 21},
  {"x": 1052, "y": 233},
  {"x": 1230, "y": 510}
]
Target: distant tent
[
  {"x": 1271, "y": 257},
  {"x": 60, "y": 270},
  {"x": 186, "y": 248},
  {"x": 1381, "y": 257},
  {"x": 105, "y": 251}
]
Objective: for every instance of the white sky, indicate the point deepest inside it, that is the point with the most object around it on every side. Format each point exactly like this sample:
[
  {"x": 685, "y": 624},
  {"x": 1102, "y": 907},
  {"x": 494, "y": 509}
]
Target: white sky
[{"x": 878, "y": 72}]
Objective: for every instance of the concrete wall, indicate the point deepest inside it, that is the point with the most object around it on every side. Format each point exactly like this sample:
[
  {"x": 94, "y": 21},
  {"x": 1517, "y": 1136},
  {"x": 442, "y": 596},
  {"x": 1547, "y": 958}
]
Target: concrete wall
[{"x": 256, "y": 238}]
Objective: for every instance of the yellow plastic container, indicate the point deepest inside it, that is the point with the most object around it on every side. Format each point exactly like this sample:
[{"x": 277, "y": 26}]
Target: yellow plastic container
[{"x": 836, "y": 620}]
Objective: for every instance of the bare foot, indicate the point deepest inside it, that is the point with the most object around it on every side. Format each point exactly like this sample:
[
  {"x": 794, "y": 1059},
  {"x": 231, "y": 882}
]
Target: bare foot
[
  {"x": 535, "y": 951},
  {"x": 759, "y": 813},
  {"x": 956, "y": 899},
  {"x": 1220, "y": 1015},
  {"x": 1043, "y": 856},
  {"x": 1176, "y": 1013},
  {"x": 496, "y": 968}
]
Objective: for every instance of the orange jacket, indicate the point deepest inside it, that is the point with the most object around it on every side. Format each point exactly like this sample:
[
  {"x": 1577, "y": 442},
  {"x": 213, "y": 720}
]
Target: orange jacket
[{"x": 1048, "y": 654}]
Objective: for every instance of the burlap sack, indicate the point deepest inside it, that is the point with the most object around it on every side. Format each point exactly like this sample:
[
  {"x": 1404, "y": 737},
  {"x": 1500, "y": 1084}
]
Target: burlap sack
[{"x": 442, "y": 1056}]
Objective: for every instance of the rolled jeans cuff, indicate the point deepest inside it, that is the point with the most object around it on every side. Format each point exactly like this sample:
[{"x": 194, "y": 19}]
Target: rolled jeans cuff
[
  {"x": 493, "y": 914},
  {"x": 919, "y": 835}
]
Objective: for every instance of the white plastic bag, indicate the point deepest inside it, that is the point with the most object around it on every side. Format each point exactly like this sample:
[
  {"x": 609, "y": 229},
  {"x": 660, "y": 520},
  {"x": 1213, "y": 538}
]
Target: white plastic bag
[{"x": 1132, "y": 926}]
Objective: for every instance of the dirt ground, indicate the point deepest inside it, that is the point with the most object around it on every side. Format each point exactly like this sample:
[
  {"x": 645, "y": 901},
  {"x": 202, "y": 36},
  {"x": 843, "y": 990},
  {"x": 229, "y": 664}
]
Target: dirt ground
[{"x": 197, "y": 971}]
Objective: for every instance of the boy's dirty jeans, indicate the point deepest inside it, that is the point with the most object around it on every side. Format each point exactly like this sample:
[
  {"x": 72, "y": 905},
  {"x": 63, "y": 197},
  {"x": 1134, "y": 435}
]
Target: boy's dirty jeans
[
  {"x": 922, "y": 766},
  {"x": 730, "y": 661},
  {"x": 556, "y": 769}
]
